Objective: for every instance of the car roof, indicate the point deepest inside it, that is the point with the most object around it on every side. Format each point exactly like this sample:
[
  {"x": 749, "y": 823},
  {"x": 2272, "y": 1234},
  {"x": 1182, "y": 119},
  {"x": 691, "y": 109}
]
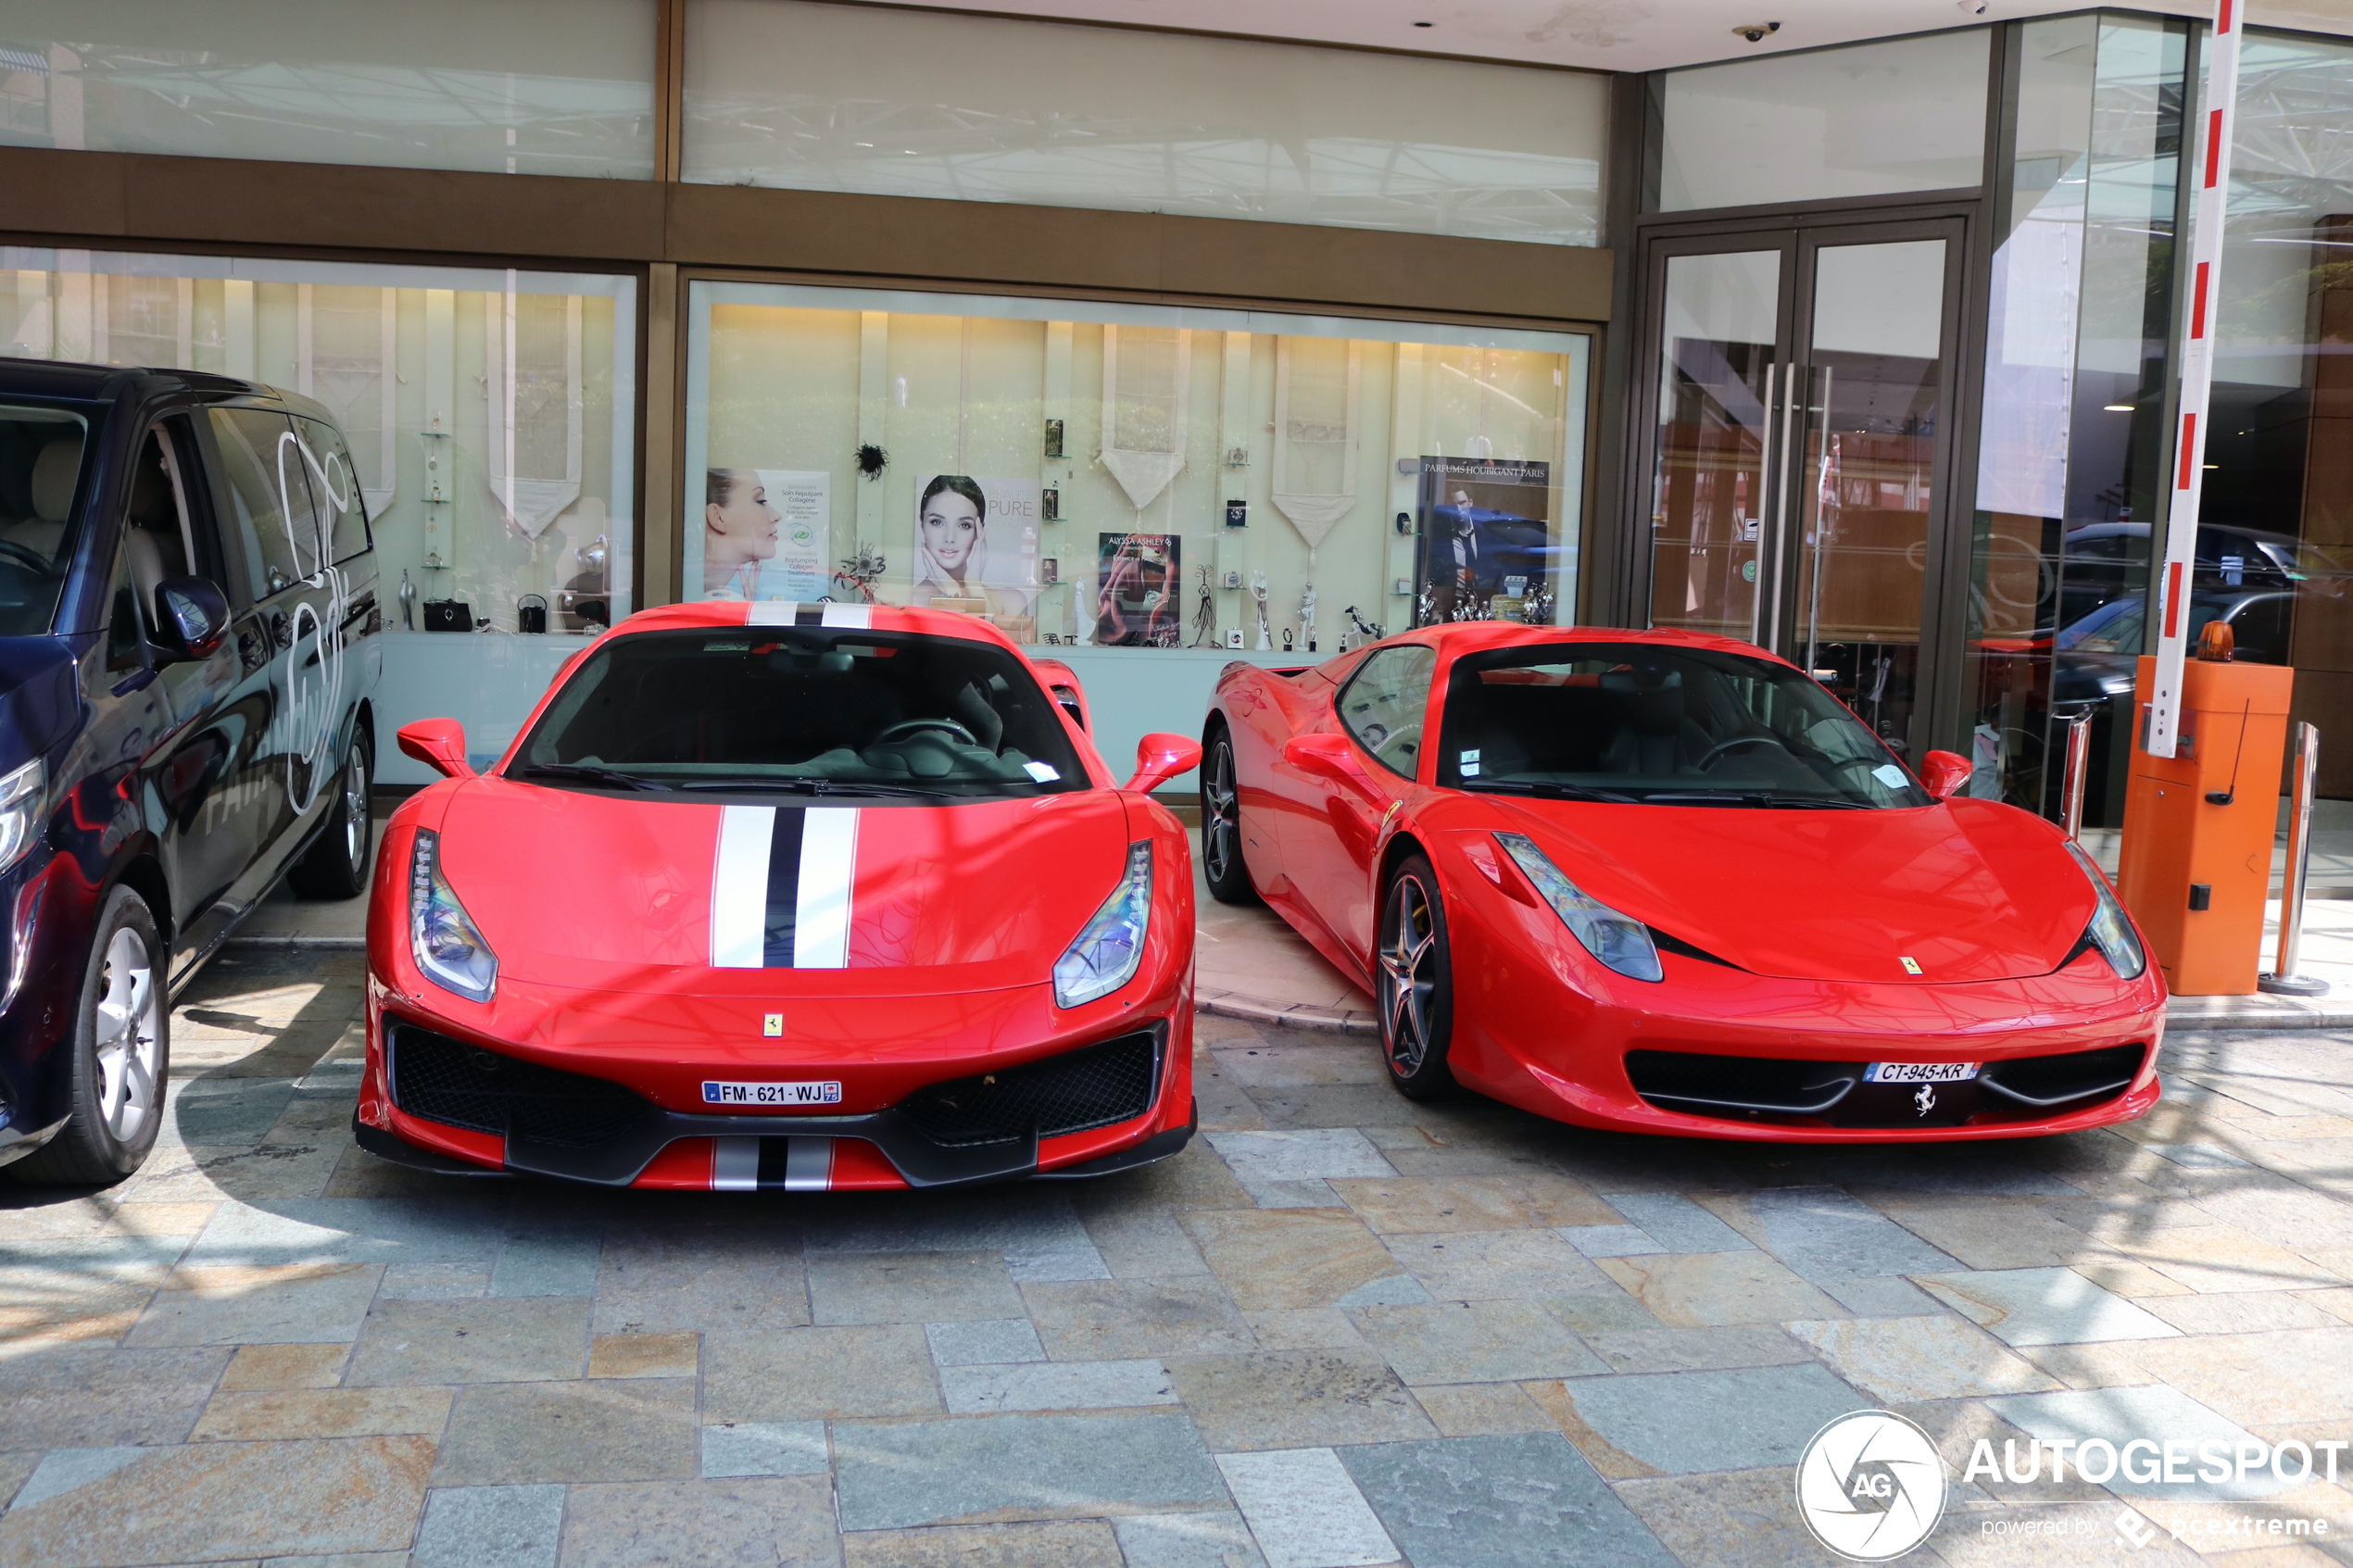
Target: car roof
[
  {"x": 1459, "y": 637},
  {"x": 107, "y": 383},
  {"x": 783, "y": 613}
]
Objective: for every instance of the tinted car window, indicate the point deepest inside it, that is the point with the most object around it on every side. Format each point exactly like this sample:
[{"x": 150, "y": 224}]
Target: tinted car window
[
  {"x": 41, "y": 451},
  {"x": 804, "y": 710},
  {"x": 1656, "y": 723},
  {"x": 1382, "y": 705},
  {"x": 335, "y": 490},
  {"x": 263, "y": 468}
]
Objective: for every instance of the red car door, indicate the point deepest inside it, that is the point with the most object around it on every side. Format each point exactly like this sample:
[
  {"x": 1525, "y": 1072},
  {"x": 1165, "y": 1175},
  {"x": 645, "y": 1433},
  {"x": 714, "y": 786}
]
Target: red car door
[{"x": 1329, "y": 838}]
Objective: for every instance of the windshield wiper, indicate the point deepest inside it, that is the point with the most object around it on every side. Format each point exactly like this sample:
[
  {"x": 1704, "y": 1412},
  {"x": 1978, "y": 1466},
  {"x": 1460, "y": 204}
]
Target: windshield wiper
[
  {"x": 1548, "y": 791},
  {"x": 1816, "y": 803},
  {"x": 584, "y": 772},
  {"x": 821, "y": 786}
]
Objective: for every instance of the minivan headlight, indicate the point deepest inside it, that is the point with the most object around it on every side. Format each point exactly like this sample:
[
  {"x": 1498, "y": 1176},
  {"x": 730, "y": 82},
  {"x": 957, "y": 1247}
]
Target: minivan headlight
[
  {"x": 20, "y": 812},
  {"x": 1107, "y": 952},
  {"x": 1620, "y": 941},
  {"x": 447, "y": 943},
  {"x": 2111, "y": 929}
]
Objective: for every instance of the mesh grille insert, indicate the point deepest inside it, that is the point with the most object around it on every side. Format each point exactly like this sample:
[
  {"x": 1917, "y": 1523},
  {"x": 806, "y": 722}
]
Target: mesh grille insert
[
  {"x": 461, "y": 1085},
  {"x": 1098, "y": 1086}
]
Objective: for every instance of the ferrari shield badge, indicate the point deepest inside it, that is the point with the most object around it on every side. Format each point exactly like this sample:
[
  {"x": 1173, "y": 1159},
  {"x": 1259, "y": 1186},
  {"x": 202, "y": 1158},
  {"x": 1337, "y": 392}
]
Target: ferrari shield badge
[
  {"x": 1911, "y": 965},
  {"x": 771, "y": 1024}
]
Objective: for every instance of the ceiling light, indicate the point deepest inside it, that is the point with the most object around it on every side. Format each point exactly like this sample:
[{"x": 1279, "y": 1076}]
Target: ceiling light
[{"x": 2120, "y": 407}]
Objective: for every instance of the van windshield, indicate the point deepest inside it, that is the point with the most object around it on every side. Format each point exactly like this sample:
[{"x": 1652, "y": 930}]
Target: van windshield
[
  {"x": 811, "y": 710},
  {"x": 1658, "y": 724},
  {"x": 40, "y": 450}
]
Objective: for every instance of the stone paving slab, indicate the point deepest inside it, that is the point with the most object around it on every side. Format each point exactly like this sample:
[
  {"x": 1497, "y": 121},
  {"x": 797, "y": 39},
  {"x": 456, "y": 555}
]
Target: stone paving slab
[{"x": 1340, "y": 1327}]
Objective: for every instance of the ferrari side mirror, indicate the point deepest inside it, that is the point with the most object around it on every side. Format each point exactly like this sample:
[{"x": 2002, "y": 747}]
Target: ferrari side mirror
[
  {"x": 1160, "y": 758},
  {"x": 1947, "y": 773},
  {"x": 439, "y": 743},
  {"x": 1325, "y": 756}
]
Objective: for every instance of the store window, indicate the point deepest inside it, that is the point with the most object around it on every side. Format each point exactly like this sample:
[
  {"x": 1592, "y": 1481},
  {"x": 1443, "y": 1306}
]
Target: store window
[
  {"x": 503, "y": 86},
  {"x": 832, "y": 97},
  {"x": 2276, "y": 528},
  {"x": 1869, "y": 119},
  {"x": 2072, "y": 447},
  {"x": 490, "y": 414},
  {"x": 1145, "y": 492}
]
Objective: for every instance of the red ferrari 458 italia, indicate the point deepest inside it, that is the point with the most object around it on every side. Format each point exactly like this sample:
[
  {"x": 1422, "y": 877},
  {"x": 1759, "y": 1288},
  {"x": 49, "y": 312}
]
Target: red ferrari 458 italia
[
  {"x": 811, "y": 896},
  {"x": 1666, "y": 882}
]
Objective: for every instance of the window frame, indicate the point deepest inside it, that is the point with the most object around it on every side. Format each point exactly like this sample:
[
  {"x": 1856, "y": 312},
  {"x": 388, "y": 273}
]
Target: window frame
[{"x": 1372, "y": 662}]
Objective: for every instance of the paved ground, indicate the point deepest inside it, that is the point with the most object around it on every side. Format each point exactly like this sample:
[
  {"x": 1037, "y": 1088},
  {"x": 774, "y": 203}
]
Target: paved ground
[{"x": 1339, "y": 1330}]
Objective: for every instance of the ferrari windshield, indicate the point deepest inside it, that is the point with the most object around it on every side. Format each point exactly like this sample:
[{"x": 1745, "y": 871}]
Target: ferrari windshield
[
  {"x": 1656, "y": 723},
  {"x": 811, "y": 710},
  {"x": 40, "y": 450}
]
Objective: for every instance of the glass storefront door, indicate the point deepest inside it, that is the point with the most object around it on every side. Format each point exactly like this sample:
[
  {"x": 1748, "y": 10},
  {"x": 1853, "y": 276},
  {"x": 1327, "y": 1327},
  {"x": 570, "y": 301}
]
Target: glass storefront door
[{"x": 1800, "y": 450}]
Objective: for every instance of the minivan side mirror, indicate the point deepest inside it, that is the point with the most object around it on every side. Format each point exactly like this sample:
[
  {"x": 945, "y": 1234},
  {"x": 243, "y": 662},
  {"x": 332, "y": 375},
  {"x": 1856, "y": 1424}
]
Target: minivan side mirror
[
  {"x": 1945, "y": 773},
  {"x": 439, "y": 743},
  {"x": 192, "y": 617}
]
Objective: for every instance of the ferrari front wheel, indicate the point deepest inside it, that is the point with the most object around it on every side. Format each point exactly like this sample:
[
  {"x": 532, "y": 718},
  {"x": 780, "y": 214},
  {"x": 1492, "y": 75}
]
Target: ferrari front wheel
[
  {"x": 1415, "y": 982},
  {"x": 1221, "y": 825}
]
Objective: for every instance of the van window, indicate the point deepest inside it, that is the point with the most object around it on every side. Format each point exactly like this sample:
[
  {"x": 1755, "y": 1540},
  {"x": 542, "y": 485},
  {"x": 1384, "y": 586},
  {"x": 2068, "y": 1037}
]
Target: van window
[
  {"x": 41, "y": 451},
  {"x": 335, "y": 487},
  {"x": 263, "y": 465}
]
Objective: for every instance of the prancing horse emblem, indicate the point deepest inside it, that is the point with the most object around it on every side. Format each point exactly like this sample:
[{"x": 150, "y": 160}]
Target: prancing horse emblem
[{"x": 1925, "y": 1102}]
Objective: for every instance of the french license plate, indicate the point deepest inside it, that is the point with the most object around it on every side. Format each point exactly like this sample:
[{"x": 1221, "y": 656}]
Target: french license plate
[
  {"x": 1920, "y": 1072},
  {"x": 772, "y": 1094}
]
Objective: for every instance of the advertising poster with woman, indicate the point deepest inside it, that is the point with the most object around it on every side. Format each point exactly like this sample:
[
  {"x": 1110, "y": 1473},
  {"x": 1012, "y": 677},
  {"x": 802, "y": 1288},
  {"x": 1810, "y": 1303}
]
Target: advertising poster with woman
[
  {"x": 763, "y": 534},
  {"x": 977, "y": 545},
  {"x": 1138, "y": 577}
]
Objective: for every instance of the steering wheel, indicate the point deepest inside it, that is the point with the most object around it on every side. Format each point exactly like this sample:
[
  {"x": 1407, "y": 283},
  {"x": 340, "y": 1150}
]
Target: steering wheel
[
  {"x": 1735, "y": 744},
  {"x": 917, "y": 726},
  {"x": 27, "y": 554}
]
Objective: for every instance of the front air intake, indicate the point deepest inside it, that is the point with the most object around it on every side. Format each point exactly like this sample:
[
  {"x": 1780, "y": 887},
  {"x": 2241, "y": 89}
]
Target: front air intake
[
  {"x": 1097, "y": 1086},
  {"x": 438, "y": 1079}
]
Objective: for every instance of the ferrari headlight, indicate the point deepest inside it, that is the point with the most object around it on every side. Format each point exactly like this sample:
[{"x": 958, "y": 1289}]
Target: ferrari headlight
[
  {"x": 2111, "y": 928},
  {"x": 20, "y": 812},
  {"x": 1106, "y": 953},
  {"x": 446, "y": 942},
  {"x": 1620, "y": 941}
]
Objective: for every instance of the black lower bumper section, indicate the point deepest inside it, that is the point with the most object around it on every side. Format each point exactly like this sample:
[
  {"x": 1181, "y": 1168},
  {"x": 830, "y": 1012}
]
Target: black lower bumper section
[
  {"x": 1151, "y": 1151},
  {"x": 1833, "y": 1093},
  {"x": 401, "y": 1151}
]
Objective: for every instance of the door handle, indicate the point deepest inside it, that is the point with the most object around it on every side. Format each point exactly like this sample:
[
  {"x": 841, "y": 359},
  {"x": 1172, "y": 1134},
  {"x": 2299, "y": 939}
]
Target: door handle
[{"x": 280, "y": 628}]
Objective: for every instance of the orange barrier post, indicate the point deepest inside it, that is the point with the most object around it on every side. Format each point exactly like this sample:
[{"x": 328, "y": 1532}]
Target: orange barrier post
[{"x": 2196, "y": 867}]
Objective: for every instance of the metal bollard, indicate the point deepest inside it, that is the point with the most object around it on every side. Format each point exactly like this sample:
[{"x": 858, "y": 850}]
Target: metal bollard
[
  {"x": 2079, "y": 768},
  {"x": 2283, "y": 980}
]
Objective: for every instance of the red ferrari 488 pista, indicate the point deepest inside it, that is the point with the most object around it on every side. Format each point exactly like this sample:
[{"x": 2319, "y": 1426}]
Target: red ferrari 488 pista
[
  {"x": 805, "y": 896},
  {"x": 1661, "y": 882}
]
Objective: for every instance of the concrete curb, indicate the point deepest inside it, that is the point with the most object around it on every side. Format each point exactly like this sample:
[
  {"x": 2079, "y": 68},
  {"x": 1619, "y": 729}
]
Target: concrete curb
[
  {"x": 335, "y": 944},
  {"x": 1299, "y": 1015}
]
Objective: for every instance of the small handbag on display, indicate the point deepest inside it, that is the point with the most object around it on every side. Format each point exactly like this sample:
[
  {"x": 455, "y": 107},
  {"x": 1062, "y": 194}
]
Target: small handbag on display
[
  {"x": 531, "y": 613},
  {"x": 448, "y": 615}
]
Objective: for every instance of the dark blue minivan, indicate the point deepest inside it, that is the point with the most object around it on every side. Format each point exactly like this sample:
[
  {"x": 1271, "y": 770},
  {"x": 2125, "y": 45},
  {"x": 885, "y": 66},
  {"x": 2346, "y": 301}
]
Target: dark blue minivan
[{"x": 188, "y": 645}]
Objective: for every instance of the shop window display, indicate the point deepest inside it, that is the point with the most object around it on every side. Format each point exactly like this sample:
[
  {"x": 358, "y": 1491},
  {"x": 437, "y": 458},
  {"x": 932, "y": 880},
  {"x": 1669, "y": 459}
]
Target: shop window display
[
  {"x": 489, "y": 415},
  {"x": 1127, "y": 476}
]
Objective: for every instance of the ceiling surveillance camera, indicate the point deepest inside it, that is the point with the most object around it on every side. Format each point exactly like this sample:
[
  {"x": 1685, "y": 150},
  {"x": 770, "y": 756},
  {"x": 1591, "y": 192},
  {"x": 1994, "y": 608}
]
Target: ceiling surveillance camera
[
  {"x": 1974, "y": 8},
  {"x": 1757, "y": 33}
]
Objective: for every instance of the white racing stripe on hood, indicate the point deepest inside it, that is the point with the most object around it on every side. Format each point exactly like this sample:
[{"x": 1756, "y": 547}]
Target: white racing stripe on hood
[
  {"x": 791, "y": 612},
  {"x": 828, "y": 870},
  {"x": 739, "y": 886}
]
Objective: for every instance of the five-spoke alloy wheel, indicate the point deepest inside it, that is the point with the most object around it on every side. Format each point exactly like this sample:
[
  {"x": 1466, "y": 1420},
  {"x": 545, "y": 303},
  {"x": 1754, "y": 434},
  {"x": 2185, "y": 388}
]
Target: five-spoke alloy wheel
[
  {"x": 1221, "y": 825},
  {"x": 1416, "y": 989}
]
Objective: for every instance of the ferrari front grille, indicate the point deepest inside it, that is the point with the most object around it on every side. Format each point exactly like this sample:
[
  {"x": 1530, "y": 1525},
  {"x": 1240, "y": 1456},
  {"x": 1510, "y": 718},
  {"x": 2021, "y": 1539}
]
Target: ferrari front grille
[
  {"x": 1096, "y": 1086},
  {"x": 439, "y": 1079},
  {"x": 1745, "y": 1088}
]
